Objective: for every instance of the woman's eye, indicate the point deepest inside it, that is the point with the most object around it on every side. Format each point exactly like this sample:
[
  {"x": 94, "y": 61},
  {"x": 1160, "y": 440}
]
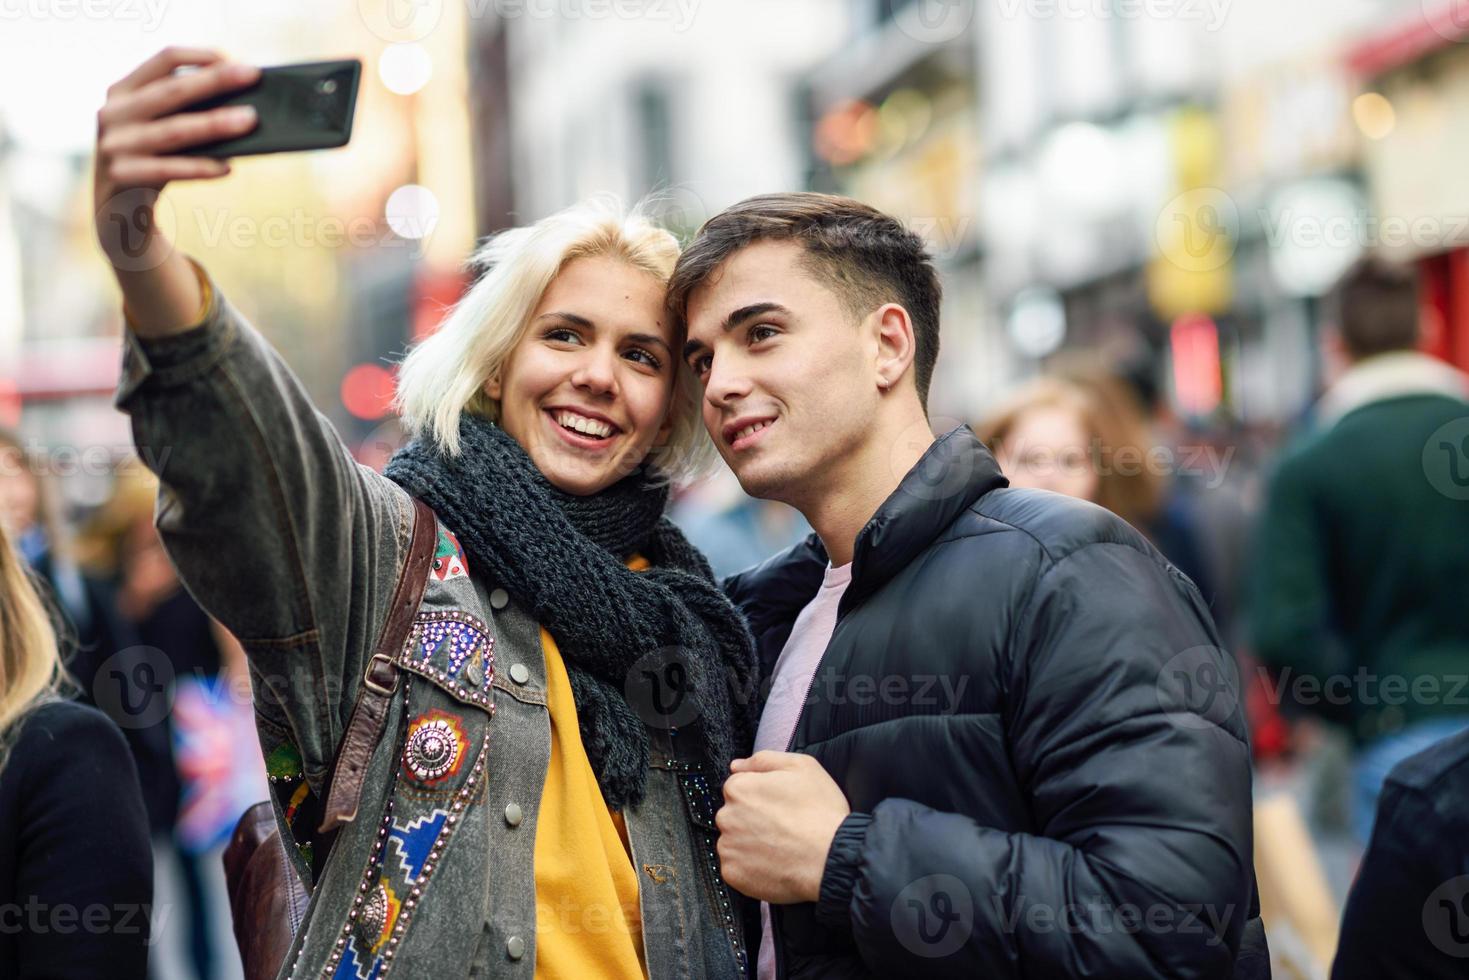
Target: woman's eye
[
  {"x": 645, "y": 357},
  {"x": 563, "y": 334}
]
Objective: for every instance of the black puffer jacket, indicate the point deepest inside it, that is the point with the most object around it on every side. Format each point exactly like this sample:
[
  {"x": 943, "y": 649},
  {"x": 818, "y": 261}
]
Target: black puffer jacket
[{"x": 1039, "y": 735}]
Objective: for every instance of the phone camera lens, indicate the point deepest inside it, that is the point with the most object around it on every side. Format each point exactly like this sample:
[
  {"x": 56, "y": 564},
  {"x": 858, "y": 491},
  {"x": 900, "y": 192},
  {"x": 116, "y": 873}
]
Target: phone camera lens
[{"x": 327, "y": 86}]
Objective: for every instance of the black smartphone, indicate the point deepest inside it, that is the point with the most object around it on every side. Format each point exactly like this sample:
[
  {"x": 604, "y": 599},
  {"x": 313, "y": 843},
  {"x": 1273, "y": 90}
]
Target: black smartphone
[{"x": 306, "y": 106}]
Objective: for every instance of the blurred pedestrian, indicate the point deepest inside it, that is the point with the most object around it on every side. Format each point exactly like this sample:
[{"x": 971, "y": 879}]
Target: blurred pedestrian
[
  {"x": 1407, "y": 917},
  {"x": 75, "y": 871},
  {"x": 735, "y": 530},
  {"x": 30, "y": 508},
  {"x": 1089, "y": 440},
  {"x": 1361, "y": 575},
  {"x": 179, "y": 644}
]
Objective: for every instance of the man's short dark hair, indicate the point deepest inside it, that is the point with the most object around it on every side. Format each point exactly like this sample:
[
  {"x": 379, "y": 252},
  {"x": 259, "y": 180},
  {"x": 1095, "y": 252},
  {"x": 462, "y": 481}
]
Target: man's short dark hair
[
  {"x": 1376, "y": 308},
  {"x": 867, "y": 258}
]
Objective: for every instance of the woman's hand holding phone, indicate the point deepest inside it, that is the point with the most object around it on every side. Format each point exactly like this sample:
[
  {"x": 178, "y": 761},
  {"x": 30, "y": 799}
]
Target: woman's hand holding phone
[{"x": 138, "y": 131}]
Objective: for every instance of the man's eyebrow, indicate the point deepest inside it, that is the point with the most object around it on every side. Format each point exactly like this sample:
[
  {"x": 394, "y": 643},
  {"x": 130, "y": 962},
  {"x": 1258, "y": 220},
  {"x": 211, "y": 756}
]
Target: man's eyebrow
[{"x": 736, "y": 318}]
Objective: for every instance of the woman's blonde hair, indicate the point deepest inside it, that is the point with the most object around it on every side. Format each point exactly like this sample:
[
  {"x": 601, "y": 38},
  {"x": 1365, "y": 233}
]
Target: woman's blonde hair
[
  {"x": 444, "y": 376},
  {"x": 30, "y": 661}
]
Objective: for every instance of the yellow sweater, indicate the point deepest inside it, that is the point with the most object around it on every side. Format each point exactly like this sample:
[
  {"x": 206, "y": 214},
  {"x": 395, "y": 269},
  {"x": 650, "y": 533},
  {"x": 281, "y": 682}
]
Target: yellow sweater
[{"x": 587, "y": 919}]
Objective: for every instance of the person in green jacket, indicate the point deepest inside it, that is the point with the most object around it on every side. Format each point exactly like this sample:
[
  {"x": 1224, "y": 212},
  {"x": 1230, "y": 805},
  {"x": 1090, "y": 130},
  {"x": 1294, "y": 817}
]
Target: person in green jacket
[{"x": 1361, "y": 579}]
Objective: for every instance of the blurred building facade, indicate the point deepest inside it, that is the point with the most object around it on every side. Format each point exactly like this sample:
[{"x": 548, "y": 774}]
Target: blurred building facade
[
  {"x": 340, "y": 256},
  {"x": 695, "y": 103},
  {"x": 1417, "y": 67},
  {"x": 1169, "y": 187},
  {"x": 897, "y": 123}
]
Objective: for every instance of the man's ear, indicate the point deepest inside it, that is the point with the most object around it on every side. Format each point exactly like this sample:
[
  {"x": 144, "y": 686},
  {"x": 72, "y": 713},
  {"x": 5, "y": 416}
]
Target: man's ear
[{"x": 896, "y": 344}]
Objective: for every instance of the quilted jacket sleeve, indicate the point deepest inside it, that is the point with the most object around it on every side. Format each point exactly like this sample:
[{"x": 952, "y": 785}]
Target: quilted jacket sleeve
[{"x": 1126, "y": 731}]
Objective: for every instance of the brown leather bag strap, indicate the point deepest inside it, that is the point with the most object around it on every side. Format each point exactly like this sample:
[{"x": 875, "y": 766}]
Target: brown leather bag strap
[{"x": 380, "y": 679}]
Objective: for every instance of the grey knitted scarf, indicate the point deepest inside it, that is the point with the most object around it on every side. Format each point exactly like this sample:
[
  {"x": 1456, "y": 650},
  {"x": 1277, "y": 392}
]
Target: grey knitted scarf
[{"x": 662, "y": 646}]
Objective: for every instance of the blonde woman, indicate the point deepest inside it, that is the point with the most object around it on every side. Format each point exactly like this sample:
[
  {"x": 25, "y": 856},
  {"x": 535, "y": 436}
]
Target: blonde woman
[
  {"x": 574, "y": 686},
  {"x": 76, "y": 871}
]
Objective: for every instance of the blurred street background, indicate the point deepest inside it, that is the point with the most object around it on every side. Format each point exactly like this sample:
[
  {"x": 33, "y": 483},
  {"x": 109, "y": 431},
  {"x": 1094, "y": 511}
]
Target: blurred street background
[{"x": 1138, "y": 207}]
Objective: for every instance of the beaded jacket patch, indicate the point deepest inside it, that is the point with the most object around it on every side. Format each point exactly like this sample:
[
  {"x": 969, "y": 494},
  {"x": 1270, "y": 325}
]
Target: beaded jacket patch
[
  {"x": 411, "y": 838},
  {"x": 435, "y": 748},
  {"x": 449, "y": 561},
  {"x": 454, "y": 650}
]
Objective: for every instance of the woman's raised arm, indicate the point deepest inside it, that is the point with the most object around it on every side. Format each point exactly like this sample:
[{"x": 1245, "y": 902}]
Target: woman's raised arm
[
  {"x": 275, "y": 529},
  {"x": 137, "y": 126}
]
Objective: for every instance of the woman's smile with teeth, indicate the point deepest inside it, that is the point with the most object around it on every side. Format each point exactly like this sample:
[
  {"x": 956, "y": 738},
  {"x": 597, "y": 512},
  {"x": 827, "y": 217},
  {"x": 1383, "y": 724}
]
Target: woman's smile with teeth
[{"x": 595, "y": 428}]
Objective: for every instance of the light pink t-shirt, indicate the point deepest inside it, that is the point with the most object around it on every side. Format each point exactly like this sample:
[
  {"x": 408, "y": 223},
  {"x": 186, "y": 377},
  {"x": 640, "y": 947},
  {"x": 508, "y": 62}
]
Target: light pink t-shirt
[{"x": 789, "y": 687}]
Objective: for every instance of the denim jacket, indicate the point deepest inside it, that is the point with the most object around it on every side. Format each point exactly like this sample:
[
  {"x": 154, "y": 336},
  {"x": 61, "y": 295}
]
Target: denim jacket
[{"x": 296, "y": 549}]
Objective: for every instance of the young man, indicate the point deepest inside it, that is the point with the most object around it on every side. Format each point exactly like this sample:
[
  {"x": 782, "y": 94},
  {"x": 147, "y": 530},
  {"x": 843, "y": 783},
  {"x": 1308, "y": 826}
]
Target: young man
[
  {"x": 1360, "y": 569},
  {"x": 1000, "y": 739}
]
